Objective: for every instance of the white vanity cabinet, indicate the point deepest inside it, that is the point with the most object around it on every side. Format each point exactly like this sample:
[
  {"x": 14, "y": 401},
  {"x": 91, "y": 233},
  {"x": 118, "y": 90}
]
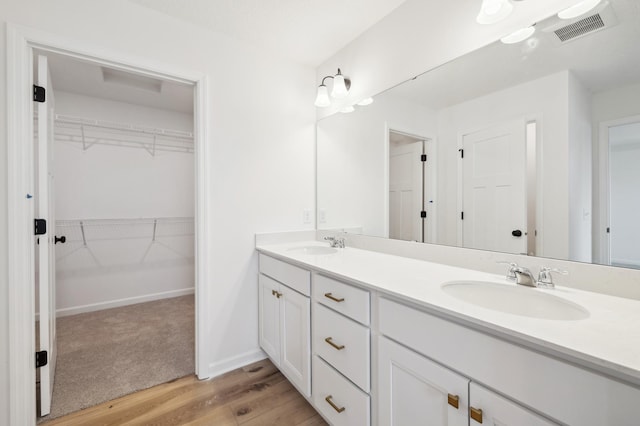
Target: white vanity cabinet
[{"x": 285, "y": 319}]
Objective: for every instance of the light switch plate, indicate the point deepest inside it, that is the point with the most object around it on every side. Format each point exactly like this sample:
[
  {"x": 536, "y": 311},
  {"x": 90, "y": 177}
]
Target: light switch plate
[{"x": 306, "y": 216}]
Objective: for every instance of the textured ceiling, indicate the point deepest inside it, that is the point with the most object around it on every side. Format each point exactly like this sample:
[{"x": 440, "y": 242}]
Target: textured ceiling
[{"x": 305, "y": 31}]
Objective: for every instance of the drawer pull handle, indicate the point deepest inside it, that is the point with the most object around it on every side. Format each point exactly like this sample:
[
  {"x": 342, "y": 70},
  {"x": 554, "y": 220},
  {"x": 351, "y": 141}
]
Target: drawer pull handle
[
  {"x": 453, "y": 401},
  {"x": 332, "y": 404},
  {"x": 335, "y": 299},
  {"x": 476, "y": 414},
  {"x": 330, "y": 341}
]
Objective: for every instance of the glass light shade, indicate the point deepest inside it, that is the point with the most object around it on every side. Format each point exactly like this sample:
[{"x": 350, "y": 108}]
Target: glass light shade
[
  {"x": 322, "y": 98},
  {"x": 493, "y": 11},
  {"x": 347, "y": 109},
  {"x": 518, "y": 36},
  {"x": 365, "y": 102},
  {"x": 578, "y": 9},
  {"x": 339, "y": 87}
]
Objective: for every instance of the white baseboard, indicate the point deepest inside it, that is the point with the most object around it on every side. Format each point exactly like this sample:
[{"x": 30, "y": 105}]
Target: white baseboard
[
  {"x": 226, "y": 365},
  {"x": 65, "y": 312}
]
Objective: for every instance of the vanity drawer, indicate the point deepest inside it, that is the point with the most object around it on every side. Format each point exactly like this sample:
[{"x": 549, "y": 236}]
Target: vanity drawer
[
  {"x": 347, "y": 348},
  {"x": 329, "y": 387},
  {"x": 344, "y": 298},
  {"x": 289, "y": 275}
]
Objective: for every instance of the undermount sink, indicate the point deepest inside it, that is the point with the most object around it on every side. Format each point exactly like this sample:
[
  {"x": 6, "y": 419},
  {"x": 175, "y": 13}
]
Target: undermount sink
[
  {"x": 313, "y": 250},
  {"x": 517, "y": 300}
]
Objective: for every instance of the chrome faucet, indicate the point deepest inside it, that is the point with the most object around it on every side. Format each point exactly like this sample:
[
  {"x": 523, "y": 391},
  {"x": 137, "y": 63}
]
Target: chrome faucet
[
  {"x": 545, "y": 280},
  {"x": 335, "y": 242},
  {"x": 524, "y": 276}
]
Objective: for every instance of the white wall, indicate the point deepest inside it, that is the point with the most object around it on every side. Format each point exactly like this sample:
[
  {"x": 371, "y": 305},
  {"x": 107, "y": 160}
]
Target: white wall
[
  {"x": 261, "y": 137},
  {"x": 580, "y": 172},
  {"x": 352, "y": 156},
  {"x": 120, "y": 264},
  {"x": 418, "y": 36}
]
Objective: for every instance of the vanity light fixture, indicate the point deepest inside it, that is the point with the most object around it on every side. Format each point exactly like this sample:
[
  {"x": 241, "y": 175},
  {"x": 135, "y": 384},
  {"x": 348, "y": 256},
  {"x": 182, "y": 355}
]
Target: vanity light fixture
[
  {"x": 493, "y": 11},
  {"x": 340, "y": 90},
  {"x": 578, "y": 9},
  {"x": 365, "y": 102},
  {"x": 347, "y": 109},
  {"x": 519, "y": 35}
]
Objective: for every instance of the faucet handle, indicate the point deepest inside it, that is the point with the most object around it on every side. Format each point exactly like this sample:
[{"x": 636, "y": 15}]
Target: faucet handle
[
  {"x": 511, "y": 273},
  {"x": 544, "y": 276}
]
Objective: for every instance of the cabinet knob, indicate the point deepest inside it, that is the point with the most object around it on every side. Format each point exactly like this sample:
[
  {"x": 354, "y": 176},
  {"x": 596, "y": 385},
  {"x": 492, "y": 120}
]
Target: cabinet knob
[
  {"x": 278, "y": 294},
  {"x": 332, "y": 404},
  {"x": 330, "y": 341},
  {"x": 453, "y": 400},
  {"x": 335, "y": 299},
  {"x": 476, "y": 414}
]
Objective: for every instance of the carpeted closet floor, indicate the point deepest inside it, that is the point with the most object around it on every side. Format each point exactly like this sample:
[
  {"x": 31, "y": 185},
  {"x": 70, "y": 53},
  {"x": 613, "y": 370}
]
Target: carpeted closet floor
[{"x": 106, "y": 354}]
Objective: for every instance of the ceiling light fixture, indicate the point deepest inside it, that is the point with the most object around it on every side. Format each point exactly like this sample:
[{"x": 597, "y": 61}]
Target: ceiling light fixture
[
  {"x": 340, "y": 90},
  {"x": 578, "y": 9},
  {"x": 493, "y": 11},
  {"x": 365, "y": 102},
  {"x": 519, "y": 35}
]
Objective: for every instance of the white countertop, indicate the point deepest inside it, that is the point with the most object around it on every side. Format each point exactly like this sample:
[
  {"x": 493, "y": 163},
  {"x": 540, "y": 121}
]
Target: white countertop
[{"x": 607, "y": 341}]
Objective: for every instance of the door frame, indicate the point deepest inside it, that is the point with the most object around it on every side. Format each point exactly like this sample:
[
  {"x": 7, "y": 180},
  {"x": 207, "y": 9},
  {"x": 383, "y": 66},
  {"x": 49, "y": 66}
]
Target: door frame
[
  {"x": 604, "y": 183},
  {"x": 429, "y": 184},
  {"x": 21, "y": 292}
]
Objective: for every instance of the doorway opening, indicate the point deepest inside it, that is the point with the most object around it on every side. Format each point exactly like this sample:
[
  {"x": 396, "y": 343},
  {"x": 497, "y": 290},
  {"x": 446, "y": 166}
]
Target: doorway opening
[
  {"x": 115, "y": 275},
  {"x": 23, "y": 100},
  {"x": 411, "y": 213}
]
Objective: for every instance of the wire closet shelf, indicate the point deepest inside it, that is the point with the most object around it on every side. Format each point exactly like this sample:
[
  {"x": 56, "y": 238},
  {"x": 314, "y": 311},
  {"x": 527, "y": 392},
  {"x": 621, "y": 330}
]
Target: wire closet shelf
[
  {"x": 87, "y": 230},
  {"x": 89, "y": 132}
]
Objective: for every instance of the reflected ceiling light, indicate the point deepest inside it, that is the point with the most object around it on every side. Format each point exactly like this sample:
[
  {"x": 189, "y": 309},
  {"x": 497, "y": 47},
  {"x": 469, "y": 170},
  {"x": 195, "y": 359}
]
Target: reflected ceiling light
[
  {"x": 493, "y": 11},
  {"x": 578, "y": 9},
  {"x": 340, "y": 90},
  {"x": 347, "y": 109},
  {"x": 365, "y": 102},
  {"x": 519, "y": 35}
]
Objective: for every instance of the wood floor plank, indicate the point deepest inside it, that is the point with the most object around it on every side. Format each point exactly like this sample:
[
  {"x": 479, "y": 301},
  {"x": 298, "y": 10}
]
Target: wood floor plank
[{"x": 257, "y": 394}]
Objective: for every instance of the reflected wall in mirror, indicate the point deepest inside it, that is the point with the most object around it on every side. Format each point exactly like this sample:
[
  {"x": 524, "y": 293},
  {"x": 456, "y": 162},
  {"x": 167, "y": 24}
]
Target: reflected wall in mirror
[{"x": 530, "y": 148}]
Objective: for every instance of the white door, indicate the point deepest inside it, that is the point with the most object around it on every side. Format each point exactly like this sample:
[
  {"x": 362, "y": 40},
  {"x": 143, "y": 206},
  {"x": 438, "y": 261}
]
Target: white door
[
  {"x": 494, "y": 192},
  {"x": 269, "y": 312},
  {"x": 46, "y": 264},
  {"x": 405, "y": 191},
  {"x": 295, "y": 320},
  {"x": 414, "y": 390},
  {"x": 488, "y": 408}
]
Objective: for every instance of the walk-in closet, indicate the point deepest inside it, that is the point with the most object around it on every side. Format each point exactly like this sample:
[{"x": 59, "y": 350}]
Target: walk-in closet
[{"x": 116, "y": 180}]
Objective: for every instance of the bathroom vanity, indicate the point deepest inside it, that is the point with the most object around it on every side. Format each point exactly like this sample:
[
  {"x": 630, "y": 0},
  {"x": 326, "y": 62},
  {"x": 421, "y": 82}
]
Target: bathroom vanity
[{"x": 373, "y": 338}]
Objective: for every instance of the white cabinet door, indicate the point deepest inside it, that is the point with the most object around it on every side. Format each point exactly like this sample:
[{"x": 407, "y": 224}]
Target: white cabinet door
[
  {"x": 295, "y": 320},
  {"x": 488, "y": 408},
  {"x": 269, "y": 311},
  {"x": 415, "y": 390}
]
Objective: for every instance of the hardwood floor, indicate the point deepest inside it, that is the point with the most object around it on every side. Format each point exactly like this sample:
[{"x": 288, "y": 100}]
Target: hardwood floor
[{"x": 257, "y": 394}]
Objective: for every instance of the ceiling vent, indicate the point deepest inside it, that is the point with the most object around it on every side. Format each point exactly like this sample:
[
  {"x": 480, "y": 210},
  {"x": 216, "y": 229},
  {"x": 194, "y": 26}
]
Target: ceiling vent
[{"x": 580, "y": 28}]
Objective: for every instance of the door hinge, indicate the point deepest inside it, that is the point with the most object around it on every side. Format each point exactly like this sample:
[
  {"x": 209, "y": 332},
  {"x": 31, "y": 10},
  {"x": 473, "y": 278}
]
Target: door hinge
[
  {"x": 42, "y": 359},
  {"x": 461, "y": 215},
  {"x": 461, "y": 151},
  {"x": 423, "y": 157},
  {"x": 39, "y": 93},
  {"x": 40, "y": 226},
  {"x": 423, "y": 214}
]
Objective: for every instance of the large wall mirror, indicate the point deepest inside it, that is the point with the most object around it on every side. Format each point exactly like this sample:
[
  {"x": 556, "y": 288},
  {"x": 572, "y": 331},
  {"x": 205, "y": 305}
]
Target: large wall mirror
[{"x": 531, "y": 147}]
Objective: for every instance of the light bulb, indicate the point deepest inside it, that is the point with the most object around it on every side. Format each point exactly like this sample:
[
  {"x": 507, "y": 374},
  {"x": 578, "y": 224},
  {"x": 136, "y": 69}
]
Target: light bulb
[
  {"x": 518, "y": 36},
  {"x": 322, "y": 98},
  {"x": 493, "y": 11},
  {"x": 340, "y": 90},
  {"x": 578, "y": 9},
  {"x": 347, "y": 109}
]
